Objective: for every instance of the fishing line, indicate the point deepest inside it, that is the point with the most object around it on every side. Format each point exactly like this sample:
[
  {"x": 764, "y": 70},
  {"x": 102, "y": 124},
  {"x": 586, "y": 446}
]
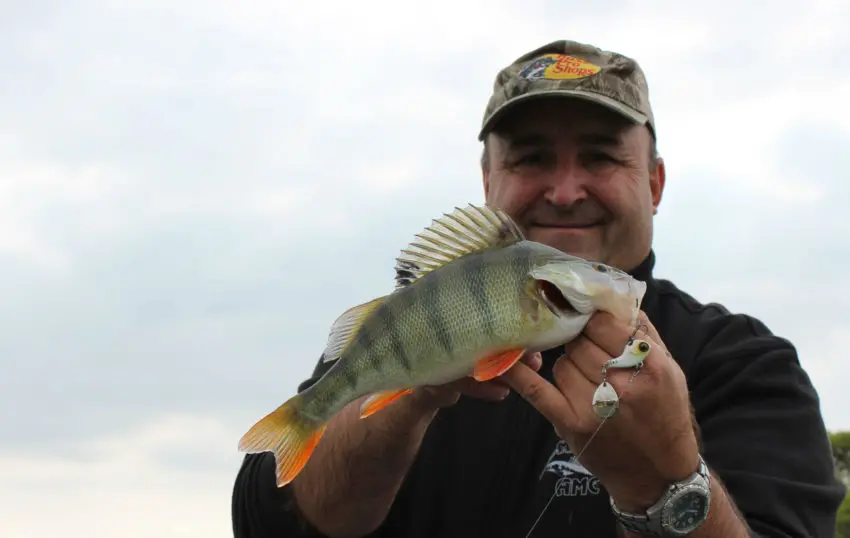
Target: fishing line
[
  {"x": 605, "y": 419},
  {"x": 555, "y": 490}
]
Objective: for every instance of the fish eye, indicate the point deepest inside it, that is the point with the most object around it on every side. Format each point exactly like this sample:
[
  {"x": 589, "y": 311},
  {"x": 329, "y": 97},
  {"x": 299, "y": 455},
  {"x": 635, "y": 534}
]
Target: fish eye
[
  {"x": 643, "y": 347},
  {"x": 600, "y": 268}
]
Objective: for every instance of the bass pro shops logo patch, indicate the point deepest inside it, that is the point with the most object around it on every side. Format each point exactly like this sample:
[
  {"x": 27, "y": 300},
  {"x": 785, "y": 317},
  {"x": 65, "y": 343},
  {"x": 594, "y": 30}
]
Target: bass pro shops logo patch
[{"x": 558, "y": 67}]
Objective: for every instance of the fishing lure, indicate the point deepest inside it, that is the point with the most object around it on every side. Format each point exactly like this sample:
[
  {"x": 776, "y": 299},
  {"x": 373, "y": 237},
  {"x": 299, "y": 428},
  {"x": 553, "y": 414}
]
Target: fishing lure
[
  {"x": 606, "y": 402},
  {"x": 605, "y": 399}
]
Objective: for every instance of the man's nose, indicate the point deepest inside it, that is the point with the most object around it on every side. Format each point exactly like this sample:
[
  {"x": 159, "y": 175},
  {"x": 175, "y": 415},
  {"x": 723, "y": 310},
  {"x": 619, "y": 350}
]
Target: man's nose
[{"x": 566, "y": 185}]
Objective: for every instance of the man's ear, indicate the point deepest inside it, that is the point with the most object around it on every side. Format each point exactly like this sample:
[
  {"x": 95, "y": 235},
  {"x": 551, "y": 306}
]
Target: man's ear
[
  {"x": 485, "y": 171},
  {"x": 656, "y": 184}
]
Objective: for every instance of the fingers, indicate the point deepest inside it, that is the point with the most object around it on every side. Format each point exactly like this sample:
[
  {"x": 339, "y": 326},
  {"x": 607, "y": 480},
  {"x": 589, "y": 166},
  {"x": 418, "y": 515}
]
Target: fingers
[
  {"x": 436, "y": 397},
  {"x": 608, "y": 333},
  {"x": 648, "y": 328},
  {"x": 612, "y": 335},
  {"x": 533, "y": 360},
  {"x": 493, "y": 390},
  {"x": 496, "y": 389},
  {"x": 541, "y": 394},
  {"x": 588, "y": 358},
  {"x": 488, "y": 390}
]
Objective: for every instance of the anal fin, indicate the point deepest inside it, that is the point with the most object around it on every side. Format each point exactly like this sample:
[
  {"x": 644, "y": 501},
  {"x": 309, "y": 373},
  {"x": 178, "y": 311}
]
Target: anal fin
[
  {"x": 380, "y": 400},
  {"x": 496, "y": 365}
]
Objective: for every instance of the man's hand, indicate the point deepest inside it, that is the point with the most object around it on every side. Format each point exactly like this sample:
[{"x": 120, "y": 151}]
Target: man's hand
[
  {"x": 371, "y": 457},
  {"x": 494, "y": 390},
  {"x": 650, "y": 441}
]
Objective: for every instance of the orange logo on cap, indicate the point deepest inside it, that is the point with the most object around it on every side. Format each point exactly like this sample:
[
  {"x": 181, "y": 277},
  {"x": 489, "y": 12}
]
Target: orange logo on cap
[{"x": 558, "y": 67}]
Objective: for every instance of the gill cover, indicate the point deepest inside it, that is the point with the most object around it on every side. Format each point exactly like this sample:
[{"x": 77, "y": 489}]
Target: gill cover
[{"x": 587, "y": 287}]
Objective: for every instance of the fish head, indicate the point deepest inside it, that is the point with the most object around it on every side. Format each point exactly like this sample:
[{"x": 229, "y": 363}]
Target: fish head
[{"x": 569, "y": 285}]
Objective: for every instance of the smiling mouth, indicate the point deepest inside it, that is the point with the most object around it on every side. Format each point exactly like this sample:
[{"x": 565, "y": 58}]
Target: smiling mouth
[{"x": 567, "y": 226}]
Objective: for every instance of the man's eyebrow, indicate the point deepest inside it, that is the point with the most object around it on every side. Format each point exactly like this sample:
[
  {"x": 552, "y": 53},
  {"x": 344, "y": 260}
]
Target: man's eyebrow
[
  {"x": 598, "y": 138},
  {"x": 528, "y": 140}
]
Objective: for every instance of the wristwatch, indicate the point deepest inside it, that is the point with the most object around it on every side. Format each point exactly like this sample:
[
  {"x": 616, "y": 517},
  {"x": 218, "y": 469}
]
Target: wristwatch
[{"x": 680, "y": 511}]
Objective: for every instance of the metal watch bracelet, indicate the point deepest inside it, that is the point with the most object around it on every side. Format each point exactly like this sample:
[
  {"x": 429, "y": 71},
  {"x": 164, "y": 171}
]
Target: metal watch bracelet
[{"x": 661, "y": 520}]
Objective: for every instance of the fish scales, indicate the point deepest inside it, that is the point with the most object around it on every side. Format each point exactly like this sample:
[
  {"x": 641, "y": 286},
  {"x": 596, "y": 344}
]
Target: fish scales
[
  {"x": 372, "y": 360},
  {"x": 482, "y": 300},
  {"x": 472, "y": 294},
  {"x": 437, "y": 320}
]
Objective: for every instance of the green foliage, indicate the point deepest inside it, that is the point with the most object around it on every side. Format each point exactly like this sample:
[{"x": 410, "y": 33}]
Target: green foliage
[
  {"x": 840, "y": 442},
  {"x": 843, "y": 527}
]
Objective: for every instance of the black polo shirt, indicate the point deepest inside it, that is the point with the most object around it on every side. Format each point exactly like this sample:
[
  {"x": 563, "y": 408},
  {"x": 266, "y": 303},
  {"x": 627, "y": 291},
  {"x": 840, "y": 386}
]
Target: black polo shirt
[{"x": 488, "y": 469}]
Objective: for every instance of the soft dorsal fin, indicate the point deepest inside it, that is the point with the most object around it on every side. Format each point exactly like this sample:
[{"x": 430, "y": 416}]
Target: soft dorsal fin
[
  {"x": 346, "y": 326},
  {"x": 452, "y": 236}
]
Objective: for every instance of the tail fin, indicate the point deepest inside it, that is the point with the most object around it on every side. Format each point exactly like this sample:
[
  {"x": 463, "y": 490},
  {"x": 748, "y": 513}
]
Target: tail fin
[{"x": 289, "y": 434}]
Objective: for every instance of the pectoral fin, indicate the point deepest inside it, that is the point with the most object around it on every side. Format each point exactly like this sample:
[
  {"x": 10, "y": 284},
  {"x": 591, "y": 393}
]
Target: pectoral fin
[
  {"x": 496, "y": 365},
  {"x": 380, "y": 400}
]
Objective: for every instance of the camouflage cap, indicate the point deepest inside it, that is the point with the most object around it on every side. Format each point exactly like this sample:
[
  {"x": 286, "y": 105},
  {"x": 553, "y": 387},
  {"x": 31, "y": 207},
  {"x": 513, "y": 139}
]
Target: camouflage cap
[{"x": 572, "y": 69}]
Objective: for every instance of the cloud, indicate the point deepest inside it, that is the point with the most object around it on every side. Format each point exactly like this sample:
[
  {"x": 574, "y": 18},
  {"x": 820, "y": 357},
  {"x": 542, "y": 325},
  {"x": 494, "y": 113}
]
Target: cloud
[
  {"x": 778, "y": 259},
  {"x": 180, "y": 222},
  {"x": 161, "y": 478}
]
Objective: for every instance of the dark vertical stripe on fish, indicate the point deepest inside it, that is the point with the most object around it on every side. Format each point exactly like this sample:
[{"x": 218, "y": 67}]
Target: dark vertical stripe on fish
[
  {"x": 475, "y": 283},
  {"x": 361, "y": 346},
  {"x": 373, "y": 330},
  {"x": 385, "y": 324},
  {"x": 429, "y": 297},
  {"x": 388, "y": 318}
]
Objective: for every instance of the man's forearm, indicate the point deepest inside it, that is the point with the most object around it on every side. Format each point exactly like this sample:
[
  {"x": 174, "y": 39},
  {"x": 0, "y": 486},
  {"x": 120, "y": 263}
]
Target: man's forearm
[
  {"x": 349, "y": 484},
  {"x": 724, "y": 519}
]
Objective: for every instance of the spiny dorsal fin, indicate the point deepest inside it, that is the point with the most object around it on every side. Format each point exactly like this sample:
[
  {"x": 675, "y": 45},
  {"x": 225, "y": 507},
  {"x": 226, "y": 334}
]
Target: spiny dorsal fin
[
  {"x": 346, "y": 326},
  {"x": 452, "y": 236}
]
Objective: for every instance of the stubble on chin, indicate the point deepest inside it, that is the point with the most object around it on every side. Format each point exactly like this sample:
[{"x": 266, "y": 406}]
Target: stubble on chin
[{"x": 584, "y": 243}]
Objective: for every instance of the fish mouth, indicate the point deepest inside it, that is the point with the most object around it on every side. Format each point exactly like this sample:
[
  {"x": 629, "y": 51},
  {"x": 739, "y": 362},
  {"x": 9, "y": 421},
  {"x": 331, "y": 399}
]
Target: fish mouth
[
  {"x": 577, "y": 289},
  {"x": 555, "y": 300}
]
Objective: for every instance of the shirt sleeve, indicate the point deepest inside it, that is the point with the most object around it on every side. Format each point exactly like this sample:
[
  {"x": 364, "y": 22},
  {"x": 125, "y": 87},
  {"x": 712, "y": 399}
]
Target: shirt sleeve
[
  {"x": 762, "y": 431},
  {"x": 260, "y": 509}
]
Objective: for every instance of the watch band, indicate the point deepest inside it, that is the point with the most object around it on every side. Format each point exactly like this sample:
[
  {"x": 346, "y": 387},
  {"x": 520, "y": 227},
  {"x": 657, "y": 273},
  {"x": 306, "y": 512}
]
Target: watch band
[{"x": 658, "y": 519}]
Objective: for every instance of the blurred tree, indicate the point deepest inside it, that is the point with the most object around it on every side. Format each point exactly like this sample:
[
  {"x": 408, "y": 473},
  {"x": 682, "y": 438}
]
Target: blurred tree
[
  {"x": 843, "y": 526},
  {"x": 841, "y": 455}
]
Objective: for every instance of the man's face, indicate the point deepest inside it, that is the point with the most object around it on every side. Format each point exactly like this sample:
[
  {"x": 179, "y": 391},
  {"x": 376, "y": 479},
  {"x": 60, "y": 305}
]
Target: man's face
[{"x": 577, "y": 177}]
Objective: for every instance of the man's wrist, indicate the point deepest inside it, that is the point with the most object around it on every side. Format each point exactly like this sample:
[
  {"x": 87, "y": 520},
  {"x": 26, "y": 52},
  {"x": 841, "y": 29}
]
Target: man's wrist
[
  {"x": 637, "y": 496},
  {"x": 724, "y": 518},
  {"x": 680, "y": 508}
]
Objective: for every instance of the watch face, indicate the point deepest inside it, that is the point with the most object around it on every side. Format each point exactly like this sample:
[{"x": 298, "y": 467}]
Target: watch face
[{"x": 688, "y": 511}]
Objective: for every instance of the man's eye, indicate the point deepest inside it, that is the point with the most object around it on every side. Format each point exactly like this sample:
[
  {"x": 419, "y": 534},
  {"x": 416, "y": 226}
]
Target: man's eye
[
  {"x": 530, "y": 158},
  {"x": 599, "y": 156}
]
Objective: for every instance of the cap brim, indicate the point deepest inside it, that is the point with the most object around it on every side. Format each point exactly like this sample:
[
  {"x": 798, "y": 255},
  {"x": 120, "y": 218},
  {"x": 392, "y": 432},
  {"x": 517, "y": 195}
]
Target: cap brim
[{"x": 616, "y": 106}]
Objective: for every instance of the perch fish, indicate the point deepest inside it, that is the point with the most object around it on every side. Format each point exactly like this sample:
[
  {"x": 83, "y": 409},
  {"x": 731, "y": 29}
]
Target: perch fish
[{"x": 472, "y": 295}]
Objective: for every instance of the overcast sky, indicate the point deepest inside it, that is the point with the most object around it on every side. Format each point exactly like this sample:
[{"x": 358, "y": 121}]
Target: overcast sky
[{"x": 178, "y": 226}]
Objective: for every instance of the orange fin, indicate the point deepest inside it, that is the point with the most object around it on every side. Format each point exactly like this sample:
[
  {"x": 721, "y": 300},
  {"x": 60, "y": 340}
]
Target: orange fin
[
  {"x": 496, "y": 365},
  {"x": 291, "y": 436},
  {"x": 380, "y": 400}
]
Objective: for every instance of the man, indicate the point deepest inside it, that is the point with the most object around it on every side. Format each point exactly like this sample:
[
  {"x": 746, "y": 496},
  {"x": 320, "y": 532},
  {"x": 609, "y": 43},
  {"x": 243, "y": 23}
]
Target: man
[{"x": 570, "y": 153}]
